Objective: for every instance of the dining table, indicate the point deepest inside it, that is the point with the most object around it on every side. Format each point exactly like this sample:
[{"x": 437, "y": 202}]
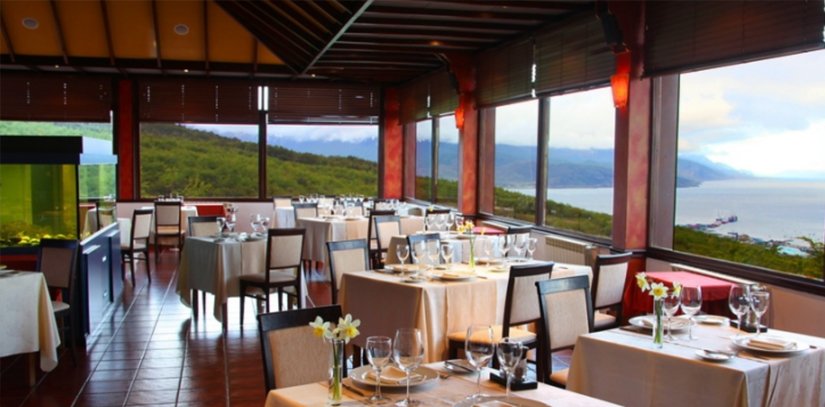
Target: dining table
[
  {"x": 385, "y": 301},
  {"x": 715, "y": 292},
  {"x": 214, "y": 265},
  {"x": 719, "y": 368},
  {"x": 459, "y": 243},
  {"x": 27, "y": 322},
  {"x": 441, "y": 387}
]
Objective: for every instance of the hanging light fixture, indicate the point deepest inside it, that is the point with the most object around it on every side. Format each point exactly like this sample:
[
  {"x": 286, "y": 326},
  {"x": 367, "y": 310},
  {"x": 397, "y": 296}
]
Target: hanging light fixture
[{"x": 620, "y": 84}]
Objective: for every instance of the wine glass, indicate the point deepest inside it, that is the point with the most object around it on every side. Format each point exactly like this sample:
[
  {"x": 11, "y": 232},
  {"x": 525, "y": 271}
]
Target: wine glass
[
  {"x": 447, "y": 253},
  {"x": 489, "y": 245},
  {"x": 509, "y": 352},
  {"x": 221, "y": 224},
  {"x": 440, "y": 220},
  {"x": 759, "y": 302},
  {"x": 408, "y": 353},
  {"x": 519, "y": 242},
  {"x": 433, "y": 252},
  {"x": 265, "y": 223},
  {"x": 419, "y": 250},
  {"x": 691, "y": 302},
  {"x": 449, "y": 220},
  {"x": 532, "y": 244},
  {"x": 302, "y": 199},
  {"x": 403, "y": 251},
  {"x": 671, "y": 305},
  {"x": 429, "y": 222},
  {"x": 739, "y": 304},
  {"x": 379, "y": 351},
  {"x": 479, "y": 348},
  {"x": 231, "y": 220},
  {"x": 505, "y": 242},
  {"x": 255, "y": 222}
]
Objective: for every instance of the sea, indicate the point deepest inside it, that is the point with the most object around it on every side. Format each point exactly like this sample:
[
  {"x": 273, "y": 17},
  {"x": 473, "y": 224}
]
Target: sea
[{"x": 765, "y": 208}]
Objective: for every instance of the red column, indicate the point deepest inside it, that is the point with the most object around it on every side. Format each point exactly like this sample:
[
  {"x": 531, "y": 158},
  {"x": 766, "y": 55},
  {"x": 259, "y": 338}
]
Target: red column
[
  {"x": 393, "y": 145},
  {"x": 467, "y": 121},
  {"x": 125, "y": 125}
]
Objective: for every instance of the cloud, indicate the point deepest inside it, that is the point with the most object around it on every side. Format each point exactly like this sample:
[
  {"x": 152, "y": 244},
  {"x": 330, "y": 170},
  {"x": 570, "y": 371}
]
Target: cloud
[{"x": 307, "y": 133}]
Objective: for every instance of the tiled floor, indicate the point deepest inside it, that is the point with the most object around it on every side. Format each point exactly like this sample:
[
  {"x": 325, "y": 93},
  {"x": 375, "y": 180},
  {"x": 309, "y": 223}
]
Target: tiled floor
[{"x": 151, "y": 352}]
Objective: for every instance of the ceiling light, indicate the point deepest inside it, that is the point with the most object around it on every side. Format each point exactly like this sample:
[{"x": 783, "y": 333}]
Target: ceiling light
[
  {"x": 30, "y": 23},
  {"x": 186, "y": 71},
  {"x": 181, "y": 29},
  {"x": 57, "y": 66}
]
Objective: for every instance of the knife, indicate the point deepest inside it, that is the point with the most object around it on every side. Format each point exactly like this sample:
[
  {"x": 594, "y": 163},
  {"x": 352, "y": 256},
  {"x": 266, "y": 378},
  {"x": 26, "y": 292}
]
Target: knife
[
  {"x": 459, "y": 366},
  {"x": 353, "y": 389}
]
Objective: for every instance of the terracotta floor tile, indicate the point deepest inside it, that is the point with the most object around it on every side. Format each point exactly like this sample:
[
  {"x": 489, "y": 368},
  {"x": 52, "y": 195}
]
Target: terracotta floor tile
[
  {"x": 118, "y": 364},
  {"x": 152, "y": 397},
  {"x": 101, "y": 399},
  {"x": 205, "y": 382},
  {"x": 212, "y": 394},
  {"x": 106, "y": 375},
  {"x": 156, "y": 384},
  {"x": 162, "y": 363},
  {"x": 107, "y": 386},
  {"x": 48, "y": 401},
  {"x": 159, "y": 373}
]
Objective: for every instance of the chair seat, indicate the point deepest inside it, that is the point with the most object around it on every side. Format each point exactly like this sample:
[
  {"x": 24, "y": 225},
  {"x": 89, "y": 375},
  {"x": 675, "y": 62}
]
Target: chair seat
[
  {"x": 138, "y": 246},
  {"x": 560, "y": 377},
  {"x": 601, "y": 320},
  {"x": 60, "y": 306},
  {"x": 168, "y": 230},
  {"x": 520, "y": 334},
  {"x": 274, "y": 277}
]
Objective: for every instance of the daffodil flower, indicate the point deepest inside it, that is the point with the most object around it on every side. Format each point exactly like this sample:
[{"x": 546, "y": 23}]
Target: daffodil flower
[
  {"x": 658, "y": 291},
  {"x": 347, "y": 328},
  {"x": 641, "y": 281},
  {"x": 320, "y": 328},
  {"x": 677, "y": 289}
]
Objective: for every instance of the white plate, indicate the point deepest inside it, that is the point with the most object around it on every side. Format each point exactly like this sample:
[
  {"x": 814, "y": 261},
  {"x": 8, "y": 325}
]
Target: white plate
[
  {"x": 712, "y": 319},
  {"x": 679, "y": 323},
  {"x": 743, "y": 342},
  {"x": 456, "y": 276},
  {"x": 360, "y": 375},
  {"x": 488, "y": 260},
  {"x": 407, "y": 268},
  {"x": 500, "y": 401},
  {"x": 713, "y": 356},
  {"x": 411, "y": 280},
  {"x": 498, "y": 269}
]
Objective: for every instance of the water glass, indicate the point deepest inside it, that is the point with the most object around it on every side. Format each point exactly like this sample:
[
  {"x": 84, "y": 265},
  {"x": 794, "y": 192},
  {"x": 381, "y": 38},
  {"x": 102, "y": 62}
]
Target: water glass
[
  {"x": 671, "y": 305},
  {"x": 478, "y": 346},
  {"x": 449, "y": 221},
  {"x": 489, "y": 245},
  {"x": 759, "y": 302},
  {"x": 231, "y": 220},
  {"x": 509, "y": 352},
  {"x": 739, "y": 304},
  {"x": 379, "y": 351},
  {"x": 691, "y": 302},
  {"x": 265, "y": 223},
  {"x": 505, "y": 243},
  {"x": 402, "y": 251},
  {"x": 408, "y": 353},
  {"x": 221, "y": 224},
  {"x": 255, "y": 222},
  {"x": 532, "y": 244},
  {"x": 447, "y": 253},
  {"x": 433, "y": 252}
]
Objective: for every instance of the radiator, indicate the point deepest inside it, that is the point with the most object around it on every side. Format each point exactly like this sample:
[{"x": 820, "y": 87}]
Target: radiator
[{"x": 565, "y": 250}]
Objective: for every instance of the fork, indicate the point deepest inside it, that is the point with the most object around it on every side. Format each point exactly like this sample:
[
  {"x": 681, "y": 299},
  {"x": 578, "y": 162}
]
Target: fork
[{"x": 444, "y": 376}]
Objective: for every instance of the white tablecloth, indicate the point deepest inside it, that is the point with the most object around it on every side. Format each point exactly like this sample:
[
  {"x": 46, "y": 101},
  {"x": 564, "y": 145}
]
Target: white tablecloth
[
  {"x": 384, "y": 304},
  {"x": 27, "y": 322},
  {"x": 461, "y": 250},
  {"x": 442, "y": 392},
  {"x": 622, "y": 367},
  {"x": 283, "y": 217},
  {"x": 216, "y": 267}
]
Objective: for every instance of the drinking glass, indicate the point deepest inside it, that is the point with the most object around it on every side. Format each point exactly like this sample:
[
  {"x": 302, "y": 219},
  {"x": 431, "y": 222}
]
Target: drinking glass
[
  {"x": 691, "y": 302},
  {"x": 459, "y": 220},
  {"x": 447, "y": 253},
  {"x": 509, "y": 352},
  {"x": 302, "y": 199},
  {"x": 419, "y": 250},
  {"x": 519, "y": 242},
  {"x": 408, "y": 353},
  {"x": 449, "y": 220},
  {"x": 265, "y": 223},
  {"x": 505, "y": 242},
  {"x": 759, "y": 304},
  {"x": 489, "y": 245},
  {"x": 231, "y": 220},
  {"x": 671, "y": 303},
  {"x": 255, "y": 222},
  {"x": 433, "y": 252},
  {"x": 478, "y": 346},
  {"x": 402, "y": 251},
  {"x": 440, "y": 220},
  {"x": 379, "y": 351},
  {"x": 429, "y": 222},
  {"x": 532, "y": 244},
  {"x": 739, "y": 304},
  {"x": 221, "y": 224}
]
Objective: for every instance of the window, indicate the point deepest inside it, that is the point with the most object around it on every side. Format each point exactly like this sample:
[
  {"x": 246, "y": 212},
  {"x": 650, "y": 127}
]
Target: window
[
  {"x": 750, "y": 171},
  {"x": 447, "y": 192},
  {"x": 423, "y": 160},
  {"x": 580, "y": 162},
  {"x": 322, "y": 159},
  {"x": 516, "y": 142}
]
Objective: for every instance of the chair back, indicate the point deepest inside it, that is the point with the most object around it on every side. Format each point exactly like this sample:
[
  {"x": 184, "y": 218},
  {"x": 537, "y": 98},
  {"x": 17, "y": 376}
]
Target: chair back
[
  {"x": 203, "y": 226},
  {"x": 520, "y": 305},
  {"x": 57, "y": 260},
  {"x": 105, "y": 213},
  {"x": 282, "y": 201},
  {"x": 371, "y": 233},
  {"x": 428, "y": 239},
  {"x": 291, "y": 353},
  {"x": 346, "y": 256},
  {"x": 141, "y": 225},
  {"x": 385, "y": 228},
  {"x": 382, "y": 204},
  {"x": 609, "y": 276},
  {"x": 167, "y": 213},
  {"x": 305, "y": 210},
  {"x": 437, "y": 211},
  {"x": 285, "y": 249},
  {"x": 566, "y": 311}
]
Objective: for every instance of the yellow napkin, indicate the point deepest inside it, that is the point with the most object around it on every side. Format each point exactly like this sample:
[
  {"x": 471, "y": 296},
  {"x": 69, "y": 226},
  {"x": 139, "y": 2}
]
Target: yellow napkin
[
  {"x": 675, "y": 324},
  {"x": 771, "y": 343},
  {"x": 394, "y": 375}
]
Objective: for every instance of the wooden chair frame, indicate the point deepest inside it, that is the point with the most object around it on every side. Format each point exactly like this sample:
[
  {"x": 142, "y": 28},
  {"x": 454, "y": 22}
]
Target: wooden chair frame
[
  {"x": 342, "y": 245},
  {"x": 608, "y": 260},
  {"x": 67, "y": 291},
  {"x": 130, "y": 255}
]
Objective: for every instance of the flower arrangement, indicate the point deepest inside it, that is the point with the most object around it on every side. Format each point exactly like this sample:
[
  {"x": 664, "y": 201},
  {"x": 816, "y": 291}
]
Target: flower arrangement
[
  {"x": 659, "y": 292},
  {"x": 466, "y": 228},
  {"x": 339, "y": 337}
]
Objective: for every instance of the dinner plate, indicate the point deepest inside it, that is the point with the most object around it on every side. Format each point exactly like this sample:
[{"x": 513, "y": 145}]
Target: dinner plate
[
  {"x": 488, "y": 260},
  {"x": 456, "y": 276},
  {"x": 744, "y": 342},
  {"x": 713, "y": 356},
  {"x": 497, "y": 269},
  {"x": 646, "y": 322},
  {"x": 361, "y": 376},
  {"x": 407, "y": 268},
  {"x": 411, "y": 280},
  {"x": 500, "y": 401},
  {"x": 712, "y": 319}
]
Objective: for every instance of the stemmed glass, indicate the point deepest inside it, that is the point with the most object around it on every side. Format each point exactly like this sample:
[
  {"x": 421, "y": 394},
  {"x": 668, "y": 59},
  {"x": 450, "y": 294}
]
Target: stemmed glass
[
  {"x": 671, "y": 303},
  {"x": 447, "y": 253},
  {"x": 739, "y": 304},
  {"x": 532, "y": 244},
  {"x": 449, "y": 220},
  {"x": 489, "y": 245},
  {"x": 231, "y": 220},
  {"x": 509, "y": 352},
  {"x": 505, "y": 242},
  {"x": 265, "y": 223},
  {"x": 759, "y": 304},
  {"x": 691, "y": 302},
  {"x": 419, "y": 250},
  {"x": 403, "y": 251},
  {"x": 433, "y": 252},
  {"x": 440, "y": 220},
  {"x": 408, "y": 353},
  {"x": 479, "y": 348},
  {"x": 255, "y": 222},
  {"x": 221, "y": 224},
  {"x": 429, "y": 222},
  {"x": 379, "y": 351},
  {"x": 519, "y": 243}
]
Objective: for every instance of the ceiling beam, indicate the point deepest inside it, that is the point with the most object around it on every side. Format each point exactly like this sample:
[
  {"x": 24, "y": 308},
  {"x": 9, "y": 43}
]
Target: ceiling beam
[
  {"x": 400, "y": 46},
  {"x": 157, "y": 31},
  {"x": 400, "y": 21},
  {"x": 340, "y": 32},
  {"x": 444, "y": 31},
  {"x": 90, "y": 63},
  {"x": 301, "y": 26},
  {"x": 320, "y": 10},
  {"x": 275, "y": 21},
  {"x": 6, "y": 38},
  {"x": 446, "y": 16},
  {"x": 309, "y": 18},
  {"x": 206, "y": 36},
  {"x": 402, "y": 37},
  {"x": 528, "y": 5},
  {"x": 107, "y": 29},
  {"x": 59, "y": 30}
]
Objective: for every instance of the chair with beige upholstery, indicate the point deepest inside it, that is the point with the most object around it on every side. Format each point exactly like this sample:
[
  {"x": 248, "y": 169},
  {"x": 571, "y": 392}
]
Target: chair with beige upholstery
[
  {"x": 372, "y": 239},
  {"x": 200, "y": 226},
  {"x": 305, "y": 210},
  {"x": 284, "y": 251},
  {"x": 57, "y": 260},
  {"x": 609, "y": 276},
  {"x": 566, "y": 312},
  {"x": 344, "y": 256},
  {"x": 520, "y": 307},
  {"x": 291, "y": 353},
  {"x": 167, "y": 225},
  {"x": 282, "y": 201},
  {"x": 385, "y": 228},
  {"x": 138, "y": 242}
]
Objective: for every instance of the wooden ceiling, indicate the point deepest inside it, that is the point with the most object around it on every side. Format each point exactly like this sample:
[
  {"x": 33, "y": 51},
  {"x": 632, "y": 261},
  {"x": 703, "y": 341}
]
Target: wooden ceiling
[{"x": 376, "y": 41}]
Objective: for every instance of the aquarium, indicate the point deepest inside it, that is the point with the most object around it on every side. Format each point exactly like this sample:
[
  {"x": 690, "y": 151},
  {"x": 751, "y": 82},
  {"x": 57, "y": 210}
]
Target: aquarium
[{"x": 54, "y": 187}]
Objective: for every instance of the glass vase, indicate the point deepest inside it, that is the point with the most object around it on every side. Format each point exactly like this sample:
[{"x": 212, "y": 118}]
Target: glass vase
[
  {"x": 336, "y": 372},
  {"x": 659, "y": 325},
  {"x": 472, "y": 254}
]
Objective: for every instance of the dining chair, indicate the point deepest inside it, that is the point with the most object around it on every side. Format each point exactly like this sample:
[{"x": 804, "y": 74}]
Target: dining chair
[
  {"x": 284, "y": 252},
  {"x": 427, "y": 238},
  {"x": 167, "y": 225},
  {"x": 200, "y": 226},
  {"x": 282, "y": 201},
  {"x": 372, "y": 238},
  {"x": 385, "y": 228},
  {"x": 609, "y": 276},
  {"x": 435, "y": 212},
  {"x": 291, "y": 353},
  {"x": 520, "y": 307},
  {"x": 566, "y": 312},
  {"x": 57, "y": 260},
  {"x": 344, "y": 256},
  {"x": 138, "y": 242},
  {"x": 305, "y": 210}
]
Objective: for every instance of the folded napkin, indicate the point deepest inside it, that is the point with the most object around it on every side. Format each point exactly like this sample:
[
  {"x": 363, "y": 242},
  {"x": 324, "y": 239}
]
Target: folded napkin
[
  {"x": 771, "y": 343},
  {"x": 675, "y": 324},
  {"x": 494, "y": 403},
  {"x": 394, "y": 375}
]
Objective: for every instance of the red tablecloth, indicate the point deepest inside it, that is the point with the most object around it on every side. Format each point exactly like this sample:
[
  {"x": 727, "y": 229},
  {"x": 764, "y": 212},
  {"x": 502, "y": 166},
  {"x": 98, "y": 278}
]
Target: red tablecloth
[
  {"x": 487, "y": 230},
  {"x": 208, "y": 209},
  {"x": 714, "y": 292}
]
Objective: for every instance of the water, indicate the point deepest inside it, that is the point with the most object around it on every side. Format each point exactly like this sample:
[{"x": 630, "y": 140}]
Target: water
[{"x": 776, "y": 209}]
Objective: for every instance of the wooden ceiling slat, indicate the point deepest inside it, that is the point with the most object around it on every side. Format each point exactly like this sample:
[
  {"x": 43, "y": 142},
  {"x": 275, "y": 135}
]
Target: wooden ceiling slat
[
  {"x": 528, "y": 6},
  {"x": 280, "y": 22},
  {"x": 300, "y": 26},
  {"x": 326, "y": 62},
  {"x": 459, "y": 15},
  {"x": 156, "y": 30},
  {"x": 317, "y": 8},
  {"x": 307, "y": 14},
  {"x": 9, "y": 45},
  {"x": 396, "y": 46},
  {"x": 411, "y": 35},
  {"x": 441, "y": 31},
  {"x": 338, "y": 35},
  {"x": 59, "y": 30},
  {"x": 468, "y": 25}
]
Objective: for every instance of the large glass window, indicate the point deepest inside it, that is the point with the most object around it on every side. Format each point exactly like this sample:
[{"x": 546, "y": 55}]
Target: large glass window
[
  {"x": 580, "y": 162},
  {"x": 199, "y": 160},
  {"x": 750, "y": 165},
  {"x": 322, "y": 159},
  {"x": 516, "y": 141},
  {"x": 423, "y": 160},
  {"x": 447, "y": 193}
]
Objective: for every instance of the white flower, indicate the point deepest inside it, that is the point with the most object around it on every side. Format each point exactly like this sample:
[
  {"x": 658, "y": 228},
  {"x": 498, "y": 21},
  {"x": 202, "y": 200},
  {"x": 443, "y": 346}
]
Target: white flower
[
  {"x": 321, "y": 328},
  {"x": 658, "y": 290},
  {"x": 641, "y": 281},
  {"x": 347, "y": 328}
]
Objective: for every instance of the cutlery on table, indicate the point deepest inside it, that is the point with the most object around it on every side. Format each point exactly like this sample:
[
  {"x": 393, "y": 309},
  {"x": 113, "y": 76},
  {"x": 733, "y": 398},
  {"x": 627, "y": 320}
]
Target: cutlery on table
[{"x": 353, "y": 389}]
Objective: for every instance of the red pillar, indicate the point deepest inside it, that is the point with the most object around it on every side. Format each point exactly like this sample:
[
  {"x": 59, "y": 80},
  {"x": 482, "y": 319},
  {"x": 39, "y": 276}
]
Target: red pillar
[
  {"x": 125, "y": 125},
  {"x": 393, "y": 146},
  {"x": 467, "y": 122}
]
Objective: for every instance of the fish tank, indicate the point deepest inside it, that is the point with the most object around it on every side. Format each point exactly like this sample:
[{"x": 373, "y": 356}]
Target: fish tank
[{"x": 59, "y": 187}]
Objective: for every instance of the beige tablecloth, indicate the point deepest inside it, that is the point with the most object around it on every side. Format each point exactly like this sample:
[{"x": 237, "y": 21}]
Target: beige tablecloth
[
  {"x": 461, "y": 250},
  {"x": 441, "y": 392},
  {"x": 622, "y": 367},
  {"x": 216, "y": 267},
  {"x": 27, "y": 322},
  {"x": 384, "y": 304}
]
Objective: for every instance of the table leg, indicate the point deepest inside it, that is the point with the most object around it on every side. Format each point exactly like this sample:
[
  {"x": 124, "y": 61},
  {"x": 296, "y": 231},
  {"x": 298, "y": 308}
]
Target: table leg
[
  {"x": 194, "y": 297},
  {"x": 32, "y": 366},
  {"x": 225, "y": 316}
]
